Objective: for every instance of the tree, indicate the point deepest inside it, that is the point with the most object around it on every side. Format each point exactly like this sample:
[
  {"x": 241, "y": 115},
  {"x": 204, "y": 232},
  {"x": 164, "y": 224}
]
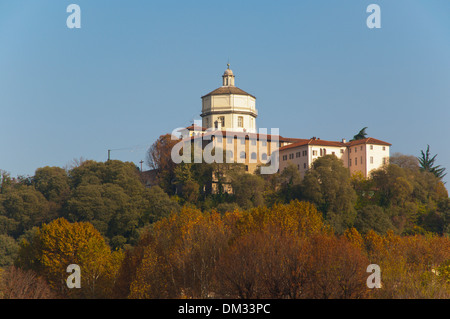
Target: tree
[
  {"x": 16, "y": 283},
  {"x": 53, "y": 183},
  {"x": 328, "y": 185},
  {"x": 159, "y": 158},
  {"x": 160, "y": 205},
  {"x": 248, "y": 190},
  {"x": 263, "y": 264},
  {"x": 404, "y": 161},
  {"x": 27, "y": 206},
  {"x": 8, "y": 250},
  {"x": 427, "y": 164},
  {"x": 59, "y": 244},
  {"x": 111, "y": 196},
  {"x": 374, "y": 218},
  {"x": 361, "y": 135},
  {"x": 290, "y": 180},
  {"x": 180, "y": 256},
  {"x": 336, "y": 269}
]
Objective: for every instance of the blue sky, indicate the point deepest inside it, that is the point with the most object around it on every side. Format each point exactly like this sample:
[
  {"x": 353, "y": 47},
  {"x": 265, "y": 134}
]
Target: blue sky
[{"x": 137, "y": 69}]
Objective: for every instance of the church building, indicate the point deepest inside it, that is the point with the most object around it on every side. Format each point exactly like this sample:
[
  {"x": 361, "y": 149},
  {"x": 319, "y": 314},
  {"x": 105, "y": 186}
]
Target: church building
[{"x": 232, "y": 112}]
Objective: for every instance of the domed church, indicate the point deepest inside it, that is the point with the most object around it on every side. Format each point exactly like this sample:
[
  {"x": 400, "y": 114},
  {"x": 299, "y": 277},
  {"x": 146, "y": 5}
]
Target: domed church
[{"x": 229, "y": 107}]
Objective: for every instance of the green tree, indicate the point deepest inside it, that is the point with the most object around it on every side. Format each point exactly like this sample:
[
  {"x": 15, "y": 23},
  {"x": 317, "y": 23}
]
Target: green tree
[
  {"x": 372, "y": 218},
  {"x": 289, "y": 183},
  {"x": 160, "y": 205},
  {"x": 361, "y": 135},
  {"x": 27, "y": 206},
  {"x": 328, "y": 185},
  {"x": 248, "y": 190},
  {"x": 427, "y": 163},
  {"x": 8, "y": 250}
]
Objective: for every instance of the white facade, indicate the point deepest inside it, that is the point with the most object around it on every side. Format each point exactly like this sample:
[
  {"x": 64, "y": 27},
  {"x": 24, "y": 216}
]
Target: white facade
[
  {"x": 359, "y": 156},
  {"x": 229, "y": 108}
]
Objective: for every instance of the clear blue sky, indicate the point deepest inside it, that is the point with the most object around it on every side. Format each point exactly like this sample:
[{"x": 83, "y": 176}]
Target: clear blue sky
[{"x": 137, "y": 69}]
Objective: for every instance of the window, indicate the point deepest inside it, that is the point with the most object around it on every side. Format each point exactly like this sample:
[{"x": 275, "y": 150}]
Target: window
[
  {"x": 243, "y": 155},
  {"x": 221, "y": 120},
  {"x": 384, "y": 148},
  {"x": 253, "y": 156},
  {"x": 240, "y": 121},
  {"x": 253, "y": 141},
  {"x": 284, "y": 157},
  {"x": 242, "y": 140},
  {"x": 384, "y": 160},
  {"x": 361, "y": 147},
  {"x": 371, "y": 147},
  {"x": 371, "y": 160},
  {"x": 324, "y": 152},
  {"x": 356, "y": 161},
  {"x": 350, "y": 162},
  {"x": 342, "y": 151},
  {"x": 229, "y": 140},
  {"x": 291, "y": 156},
  {"x": 356, "y": 149},
  {"x": 264, "y": 156},
  {"x": 305, "y": 153},
  {"x": 304, "y": 165},
  {"x": 207, "y": 122},
  {"x": 264, "y": 143},
  {"x": 314, "y": 153}
]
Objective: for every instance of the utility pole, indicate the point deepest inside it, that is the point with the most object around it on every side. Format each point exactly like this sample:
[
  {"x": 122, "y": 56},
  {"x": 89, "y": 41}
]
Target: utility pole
[
  {"x": 109, "y": 155},
  {"x": 141, "y": 164}
]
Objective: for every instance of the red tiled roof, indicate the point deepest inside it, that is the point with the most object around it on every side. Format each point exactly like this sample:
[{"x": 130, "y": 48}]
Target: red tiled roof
[
  {"x": 313, "y": 141},
  {"x": 228, "y": 90},
  {"x": 196, "y": 128},
  {"x": 369, "y": 140}
]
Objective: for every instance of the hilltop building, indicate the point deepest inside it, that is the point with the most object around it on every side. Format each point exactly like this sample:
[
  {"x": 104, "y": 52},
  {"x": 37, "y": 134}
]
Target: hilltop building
[{"x": 232, "y": 110}]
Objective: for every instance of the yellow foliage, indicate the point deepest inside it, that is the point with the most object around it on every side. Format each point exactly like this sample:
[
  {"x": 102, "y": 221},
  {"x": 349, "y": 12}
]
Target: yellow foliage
[{"x": 59, "y": 244}]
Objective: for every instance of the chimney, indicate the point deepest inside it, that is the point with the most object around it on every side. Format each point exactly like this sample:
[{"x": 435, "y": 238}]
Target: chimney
[{"x": 344, "y": 140}]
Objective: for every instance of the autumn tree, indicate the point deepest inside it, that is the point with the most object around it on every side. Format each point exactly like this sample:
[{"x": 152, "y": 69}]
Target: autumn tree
[
  {"x": 336, "y": 269},
  {"x": 59, "y": 244},
  {"x": 180, "y": 256},
  {"x": 159, "y": 158},
  {"x": 264, "y": 264},
  {"x": 16, "y": 283}
]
